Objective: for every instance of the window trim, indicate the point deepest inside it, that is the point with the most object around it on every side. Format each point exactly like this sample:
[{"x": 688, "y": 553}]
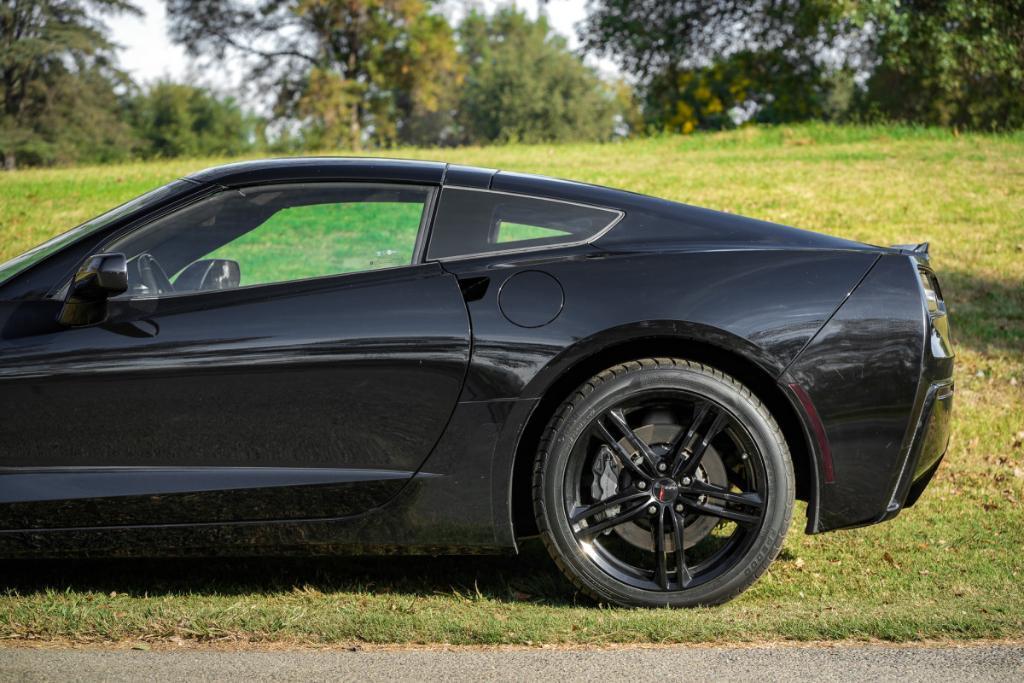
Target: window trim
[
  {"x": 521, "y": 250},
  {"x": 426, "y": 221}
]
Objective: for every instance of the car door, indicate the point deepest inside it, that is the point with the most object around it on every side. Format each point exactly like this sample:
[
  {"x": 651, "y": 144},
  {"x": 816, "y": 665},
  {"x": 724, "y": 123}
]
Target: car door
[{"x": 279, "y": 355}]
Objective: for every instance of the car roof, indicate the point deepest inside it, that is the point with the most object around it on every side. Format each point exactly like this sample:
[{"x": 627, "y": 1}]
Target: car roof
[
  {"x": 322, "y": 168},
  {"x": 400, "y": 170}
]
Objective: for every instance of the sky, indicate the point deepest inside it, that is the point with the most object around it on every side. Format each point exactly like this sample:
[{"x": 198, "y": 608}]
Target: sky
[{"x": 148, "y": 54}]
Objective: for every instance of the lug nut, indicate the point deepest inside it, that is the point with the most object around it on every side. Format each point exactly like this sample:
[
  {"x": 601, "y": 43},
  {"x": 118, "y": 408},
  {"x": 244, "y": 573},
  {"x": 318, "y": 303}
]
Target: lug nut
[
  {"x": 679, "y": 507},
  {"x": 662, "y": 467},
  {"x": 653, "y": 509},
  {"x": 687, "y": 481},
  {"x": 641, "y": 485}
]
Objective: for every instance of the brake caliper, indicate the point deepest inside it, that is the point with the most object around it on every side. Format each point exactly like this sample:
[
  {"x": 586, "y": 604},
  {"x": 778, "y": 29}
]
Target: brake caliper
[{"x": 605, "y": 469}]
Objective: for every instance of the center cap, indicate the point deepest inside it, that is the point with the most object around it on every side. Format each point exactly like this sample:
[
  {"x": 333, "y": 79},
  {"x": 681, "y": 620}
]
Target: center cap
[{"x": 665, "y": 490}]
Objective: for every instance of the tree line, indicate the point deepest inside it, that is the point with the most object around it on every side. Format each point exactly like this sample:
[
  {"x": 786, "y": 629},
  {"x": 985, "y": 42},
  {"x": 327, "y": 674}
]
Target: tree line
[
  {"x": 699, "y": 63},
  {"x": 352, "y": 74}
]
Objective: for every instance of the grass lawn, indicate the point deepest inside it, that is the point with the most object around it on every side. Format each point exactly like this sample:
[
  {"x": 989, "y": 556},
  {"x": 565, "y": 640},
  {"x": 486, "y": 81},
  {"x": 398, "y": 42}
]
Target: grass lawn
[{"x": 951, "y": 568}]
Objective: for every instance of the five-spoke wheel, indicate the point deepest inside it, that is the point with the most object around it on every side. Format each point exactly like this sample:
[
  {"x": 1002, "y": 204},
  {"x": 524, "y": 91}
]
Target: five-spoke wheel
[{"x": 663, "y": 482}]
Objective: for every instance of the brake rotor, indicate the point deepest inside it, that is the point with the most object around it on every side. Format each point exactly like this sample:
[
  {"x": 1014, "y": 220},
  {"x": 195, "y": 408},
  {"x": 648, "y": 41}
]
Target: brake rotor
[{"x": 711, "y": 471}]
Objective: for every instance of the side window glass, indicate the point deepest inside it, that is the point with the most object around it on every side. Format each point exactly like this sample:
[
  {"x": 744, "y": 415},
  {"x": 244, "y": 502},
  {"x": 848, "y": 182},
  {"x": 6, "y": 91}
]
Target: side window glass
[
  {"x": 471, "y": 222},
  {"x": 521, "y": 232},
  {"x": 270, "y": 234}
]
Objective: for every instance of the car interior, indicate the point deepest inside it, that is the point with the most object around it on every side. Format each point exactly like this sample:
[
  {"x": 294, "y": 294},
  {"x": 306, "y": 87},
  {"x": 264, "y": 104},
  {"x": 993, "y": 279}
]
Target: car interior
[{"x": 177, "y": 253}]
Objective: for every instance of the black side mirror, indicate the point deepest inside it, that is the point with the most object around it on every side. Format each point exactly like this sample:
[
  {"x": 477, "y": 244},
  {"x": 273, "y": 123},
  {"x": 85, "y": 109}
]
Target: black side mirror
[{"x": 100, "y": 277}]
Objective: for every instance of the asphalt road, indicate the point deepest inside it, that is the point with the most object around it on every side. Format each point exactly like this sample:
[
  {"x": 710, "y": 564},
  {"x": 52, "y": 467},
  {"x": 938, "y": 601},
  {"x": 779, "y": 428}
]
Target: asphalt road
[{"x": 842, "y": 663}]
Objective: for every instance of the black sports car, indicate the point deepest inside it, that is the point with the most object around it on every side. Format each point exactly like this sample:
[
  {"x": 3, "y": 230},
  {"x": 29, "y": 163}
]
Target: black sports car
[{"x": 328, "y": 355}]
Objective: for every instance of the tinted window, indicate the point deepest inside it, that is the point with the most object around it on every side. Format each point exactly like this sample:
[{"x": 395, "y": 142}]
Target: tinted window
[
  {"x": 269, "y": 234},
  {"x": 478, "y": 222}
]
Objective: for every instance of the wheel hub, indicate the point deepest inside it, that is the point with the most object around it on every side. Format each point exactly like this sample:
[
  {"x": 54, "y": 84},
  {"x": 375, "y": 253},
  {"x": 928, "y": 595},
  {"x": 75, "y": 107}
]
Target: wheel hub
[
  {"x": 697, "y": 527},
  {"x": 665, "y": 491}
]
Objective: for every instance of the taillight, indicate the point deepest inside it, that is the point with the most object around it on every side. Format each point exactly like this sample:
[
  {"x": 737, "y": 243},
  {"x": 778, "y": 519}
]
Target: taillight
[
  {"x": 932, "y": 293},
  {"x": 941, "y": 342}
]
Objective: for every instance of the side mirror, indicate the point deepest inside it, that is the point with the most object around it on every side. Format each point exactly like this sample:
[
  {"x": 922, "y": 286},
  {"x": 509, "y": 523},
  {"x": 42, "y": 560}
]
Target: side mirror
[{"x": 100, "y": 277}]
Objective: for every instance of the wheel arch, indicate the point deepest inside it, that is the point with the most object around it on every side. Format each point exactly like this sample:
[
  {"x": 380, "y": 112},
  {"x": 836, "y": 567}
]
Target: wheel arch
[{"x": 729, "y": 357}]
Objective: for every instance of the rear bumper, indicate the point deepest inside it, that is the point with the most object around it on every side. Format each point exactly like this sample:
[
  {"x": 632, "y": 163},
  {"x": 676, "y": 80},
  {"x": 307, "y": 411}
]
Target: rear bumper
[
  {"x": 927, "y": 447},
  {"x": 929, "y": 440}
]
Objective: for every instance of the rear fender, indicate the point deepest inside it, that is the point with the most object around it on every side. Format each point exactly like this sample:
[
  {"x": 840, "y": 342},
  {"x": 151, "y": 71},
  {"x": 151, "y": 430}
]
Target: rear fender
[{"x": 861, "y": 374}]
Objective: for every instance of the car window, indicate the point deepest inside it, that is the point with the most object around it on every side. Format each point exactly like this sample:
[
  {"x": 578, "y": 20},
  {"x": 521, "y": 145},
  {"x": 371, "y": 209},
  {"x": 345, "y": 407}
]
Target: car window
[
  {"x": 254, "y": 236},
  {"x": 471, "y": 222},
  {"x": 519, "y": 232}
]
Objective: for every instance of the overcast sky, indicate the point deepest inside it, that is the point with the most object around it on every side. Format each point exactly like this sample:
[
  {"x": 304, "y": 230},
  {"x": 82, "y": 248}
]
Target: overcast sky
[{"x": 148, "y": 54}]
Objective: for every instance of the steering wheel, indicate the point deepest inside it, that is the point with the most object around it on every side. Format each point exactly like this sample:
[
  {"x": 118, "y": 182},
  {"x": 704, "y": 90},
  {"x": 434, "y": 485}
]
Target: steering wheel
[{"x": 152, "y": 275}]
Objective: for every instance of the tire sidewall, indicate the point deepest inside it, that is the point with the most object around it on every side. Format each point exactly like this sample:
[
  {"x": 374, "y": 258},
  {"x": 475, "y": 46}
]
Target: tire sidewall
[{"x": 709, "y": 385}]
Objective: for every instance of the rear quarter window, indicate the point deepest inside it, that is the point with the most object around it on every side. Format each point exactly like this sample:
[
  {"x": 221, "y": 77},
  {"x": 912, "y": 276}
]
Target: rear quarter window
[{"x": 474, "y": 222}]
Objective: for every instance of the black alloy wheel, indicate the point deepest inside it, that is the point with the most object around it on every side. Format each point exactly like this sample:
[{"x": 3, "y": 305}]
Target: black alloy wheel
[{"x": 663, "y": 482}]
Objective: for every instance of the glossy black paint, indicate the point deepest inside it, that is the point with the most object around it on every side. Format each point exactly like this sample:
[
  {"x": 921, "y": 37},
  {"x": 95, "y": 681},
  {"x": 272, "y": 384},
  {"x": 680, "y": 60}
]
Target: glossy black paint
[
  {"x": 862, "y": 373},
  {"x": 100, "y": 277},
  {"x": 399, "y": 408},
  {"x": 238, "y": 379}
]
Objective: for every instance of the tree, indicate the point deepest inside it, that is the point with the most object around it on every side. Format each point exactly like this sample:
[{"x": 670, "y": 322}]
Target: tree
[
  {"x": 698, "y": 60},
  {"x": 958, "y": 63},
  {"x": 427, "y": 83},
  {"x": 649, "y": 37},
  {"x": 762, "y": 87},
  {"x": 705, "y": 64},
  {"x": 173, "y": 119},
  {"x": 58, "y": 81},
  {"x": 523, "y": 84},
  {"x": 351, "y": 71}
]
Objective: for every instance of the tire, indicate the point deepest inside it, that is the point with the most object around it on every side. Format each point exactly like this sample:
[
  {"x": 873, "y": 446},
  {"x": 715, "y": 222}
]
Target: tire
[{"x": 690, "y": 434}]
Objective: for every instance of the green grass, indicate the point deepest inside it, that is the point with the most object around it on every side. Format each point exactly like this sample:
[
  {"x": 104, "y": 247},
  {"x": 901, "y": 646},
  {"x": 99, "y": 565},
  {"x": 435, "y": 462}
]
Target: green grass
[{"x": 952, "y": 567}]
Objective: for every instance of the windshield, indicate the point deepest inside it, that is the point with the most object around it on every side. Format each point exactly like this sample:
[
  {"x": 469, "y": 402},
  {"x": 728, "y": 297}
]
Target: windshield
[{"x": 23, "y": 262}]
